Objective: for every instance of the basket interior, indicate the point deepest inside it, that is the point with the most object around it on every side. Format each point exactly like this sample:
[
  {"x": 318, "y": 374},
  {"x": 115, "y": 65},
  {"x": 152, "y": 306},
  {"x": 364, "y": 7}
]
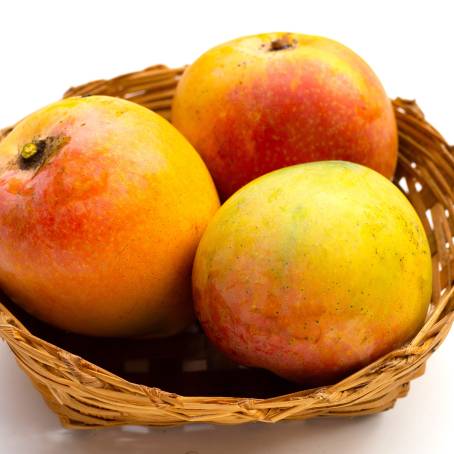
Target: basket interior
[{"x": 186, "y": 364}]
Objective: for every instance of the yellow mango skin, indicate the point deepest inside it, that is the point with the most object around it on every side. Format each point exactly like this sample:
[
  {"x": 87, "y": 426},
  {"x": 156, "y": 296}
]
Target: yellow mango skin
[
  {"x": 100, "y": 240},
  {"x": 313, "y": 271}
]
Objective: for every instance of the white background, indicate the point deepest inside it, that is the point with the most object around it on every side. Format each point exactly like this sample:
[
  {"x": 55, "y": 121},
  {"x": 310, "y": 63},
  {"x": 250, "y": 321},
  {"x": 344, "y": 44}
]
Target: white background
[{"x": 48, "y": 46}]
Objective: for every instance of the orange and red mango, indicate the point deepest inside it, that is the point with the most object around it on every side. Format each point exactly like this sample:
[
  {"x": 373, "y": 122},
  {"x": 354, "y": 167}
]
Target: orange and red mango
[
  {"x": 313, "y": 271},
  {"x": 268, "y": 101},
  {"x": 102, "y": 205}
]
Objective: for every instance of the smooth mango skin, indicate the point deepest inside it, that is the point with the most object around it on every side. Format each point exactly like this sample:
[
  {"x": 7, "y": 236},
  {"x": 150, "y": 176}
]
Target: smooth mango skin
[
  {"x": 249, "y": 110},
  {"x": 313, "y": 271},
  {"x": 100, "y": 240}
]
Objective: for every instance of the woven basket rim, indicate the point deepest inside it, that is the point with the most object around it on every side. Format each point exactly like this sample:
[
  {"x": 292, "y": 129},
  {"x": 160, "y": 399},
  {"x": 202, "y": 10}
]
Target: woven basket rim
[{"x": 8, "y": 320}]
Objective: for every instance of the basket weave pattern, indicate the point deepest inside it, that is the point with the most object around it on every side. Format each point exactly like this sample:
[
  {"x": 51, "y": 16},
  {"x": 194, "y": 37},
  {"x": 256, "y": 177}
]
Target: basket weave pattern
[{"x": 85, "y": 395}]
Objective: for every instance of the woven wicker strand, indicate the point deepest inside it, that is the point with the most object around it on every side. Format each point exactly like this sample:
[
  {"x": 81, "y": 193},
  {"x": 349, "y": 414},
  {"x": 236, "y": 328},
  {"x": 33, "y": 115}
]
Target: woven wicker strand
[{"x": 85, "y": 395}]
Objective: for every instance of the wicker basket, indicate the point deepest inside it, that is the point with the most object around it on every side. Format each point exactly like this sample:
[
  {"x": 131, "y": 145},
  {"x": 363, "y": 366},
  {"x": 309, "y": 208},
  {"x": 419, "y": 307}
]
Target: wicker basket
[{"x": 95, "y": 383}]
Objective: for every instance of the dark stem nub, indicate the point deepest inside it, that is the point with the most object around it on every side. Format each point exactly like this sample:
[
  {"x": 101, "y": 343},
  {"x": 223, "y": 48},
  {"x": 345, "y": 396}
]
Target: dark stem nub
[
  {"x": 35, "y": 154},
  {"x": 32, "y": 154},
  {"x": 284, "y": 42}
]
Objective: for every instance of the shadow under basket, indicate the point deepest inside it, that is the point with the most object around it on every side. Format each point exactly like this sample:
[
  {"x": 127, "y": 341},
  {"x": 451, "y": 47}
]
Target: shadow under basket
[{"x": 92, "y": 383}]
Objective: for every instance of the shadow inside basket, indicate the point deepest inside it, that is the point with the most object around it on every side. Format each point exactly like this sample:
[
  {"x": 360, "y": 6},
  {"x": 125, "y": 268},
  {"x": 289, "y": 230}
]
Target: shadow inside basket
[{"x": 186, "y": 364}]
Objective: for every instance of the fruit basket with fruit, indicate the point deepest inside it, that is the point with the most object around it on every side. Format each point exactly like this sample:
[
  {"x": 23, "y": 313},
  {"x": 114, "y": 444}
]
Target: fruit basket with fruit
[{"x": 92, "y": 382}]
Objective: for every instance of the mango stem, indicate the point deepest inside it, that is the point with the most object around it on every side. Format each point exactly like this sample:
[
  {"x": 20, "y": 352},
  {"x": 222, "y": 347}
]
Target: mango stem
[{"x": 29, "y": 150}]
